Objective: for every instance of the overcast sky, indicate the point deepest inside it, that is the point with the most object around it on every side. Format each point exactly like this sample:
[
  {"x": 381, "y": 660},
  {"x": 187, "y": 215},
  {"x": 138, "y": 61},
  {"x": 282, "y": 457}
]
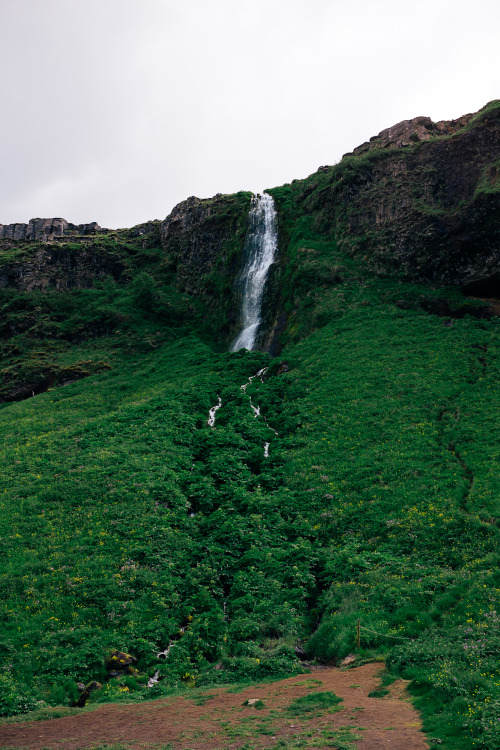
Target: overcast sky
[{"x": 115, "y": 110}]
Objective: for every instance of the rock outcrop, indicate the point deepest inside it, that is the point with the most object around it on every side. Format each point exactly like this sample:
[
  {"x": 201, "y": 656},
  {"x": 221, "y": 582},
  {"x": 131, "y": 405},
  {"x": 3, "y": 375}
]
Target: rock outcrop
[
  {"x": 60, "y": 268},
  {"x": 200, "y": 236},
  {"x": 203, "y": 240},
  {"x": 118, "y": 664},
  {"x": 47, "y": 230},
  {"x": 407, "y": 132},
  {"x": 54, "y": 254},
  {"x": 86, "y": 691},
  {"x": 426, "y": 209}
]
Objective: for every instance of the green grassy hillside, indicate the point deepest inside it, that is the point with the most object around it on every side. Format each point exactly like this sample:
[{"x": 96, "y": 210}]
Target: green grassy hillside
[
  {"x": 125, "y": 517},
  {"x": 128, "y": 523}
]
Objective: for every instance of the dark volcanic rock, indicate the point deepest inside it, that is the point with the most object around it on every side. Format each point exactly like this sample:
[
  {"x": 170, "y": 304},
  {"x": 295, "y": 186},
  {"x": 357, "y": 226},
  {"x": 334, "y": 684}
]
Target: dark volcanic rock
[
  {"x": 197, "y": 233},
  {"x": 48, "y": 261},
  {"x": 13, "y": 231},
  {"x": 428, "y": 211},
  {"x": 60, "y": 268},
  {"x": 203, "y": 240},
  {"x": 40, "y": 229},
  {"x": 119, "y": 663},
  {"x": 87, "y": 690},
  {"x": 411, "y": 131},
  {"x": 47, "y": 230}
]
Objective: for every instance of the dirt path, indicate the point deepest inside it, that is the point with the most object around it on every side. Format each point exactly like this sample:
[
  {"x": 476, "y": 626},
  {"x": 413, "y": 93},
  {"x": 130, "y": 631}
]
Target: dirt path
[{"x": 222, "y": 722}]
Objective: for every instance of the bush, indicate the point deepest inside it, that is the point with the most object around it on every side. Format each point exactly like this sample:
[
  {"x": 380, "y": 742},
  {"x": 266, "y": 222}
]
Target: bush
[
  {"x": 14, "y": 698},
  {"x": 144, "y": 291},
  {"x": 334, "y": 639}
]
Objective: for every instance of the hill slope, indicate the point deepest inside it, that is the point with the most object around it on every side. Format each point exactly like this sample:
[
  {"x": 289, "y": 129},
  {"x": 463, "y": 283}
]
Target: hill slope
[{"x": 129, "y": 523}]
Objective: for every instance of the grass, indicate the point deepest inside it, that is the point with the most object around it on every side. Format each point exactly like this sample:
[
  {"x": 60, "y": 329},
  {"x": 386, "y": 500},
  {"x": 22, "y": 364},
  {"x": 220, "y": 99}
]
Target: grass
[
  {"x": 42, "y": 714},
  {"x": 258, "y": 704},
  {"x": 314, "y": 703},
  {"x": 342, "y": 739},
  {"x": 357, "y": 537},
  {"x": 126, "y": 522}
]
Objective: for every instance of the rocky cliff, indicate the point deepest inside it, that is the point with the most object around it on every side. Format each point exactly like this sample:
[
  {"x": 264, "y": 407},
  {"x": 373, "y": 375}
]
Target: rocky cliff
[
  {"x": 203, "y": 240},
  {"x": 421, "y": 200},
  {"x": 53, "y": 254},
  {"x": 407, "y": 132},
  {"x": 48, "y": 230},
  {"x": 60, "y": 268}
]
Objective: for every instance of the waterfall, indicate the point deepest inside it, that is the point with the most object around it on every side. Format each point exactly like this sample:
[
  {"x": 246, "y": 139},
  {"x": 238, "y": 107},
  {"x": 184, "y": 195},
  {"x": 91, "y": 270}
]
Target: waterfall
[{"x": 261, "y": 245}]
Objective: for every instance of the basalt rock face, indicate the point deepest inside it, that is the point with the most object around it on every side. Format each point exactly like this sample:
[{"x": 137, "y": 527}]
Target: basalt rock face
[
  {"x": 203, "y": 240},
  {"x": 54, "y": 254},
  {"x": 199, "y": 235},
  {"x": 59, "y": 268},
  {"x": 47, "y": 230},
  {"x": 426, "y": 208},
  {"x": 37, "y": 258},
  {"x": 411, "y": 131}
]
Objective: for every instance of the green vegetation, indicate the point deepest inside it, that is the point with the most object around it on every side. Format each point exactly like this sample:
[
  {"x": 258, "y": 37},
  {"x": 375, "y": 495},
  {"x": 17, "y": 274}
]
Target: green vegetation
[
  {"x": 399, "y": 211},
  {"x": 257, "y": 704},
  {"x": 376, "y": 502},
  {"x": 127, "y": 523},
  {"x": 314, "y": 702}
]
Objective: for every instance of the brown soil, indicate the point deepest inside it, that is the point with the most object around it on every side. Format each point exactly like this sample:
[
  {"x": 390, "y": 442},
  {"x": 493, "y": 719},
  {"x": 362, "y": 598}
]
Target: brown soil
[{"x": 224, "y": 723}]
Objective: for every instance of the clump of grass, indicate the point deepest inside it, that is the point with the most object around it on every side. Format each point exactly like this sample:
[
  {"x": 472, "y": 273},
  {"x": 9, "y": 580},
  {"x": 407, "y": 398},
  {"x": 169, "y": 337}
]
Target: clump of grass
[
  {"x": 309, "y": 683},
  {"x": 314, "y": 702},
  {"x": 259, "y": 705},
  {"x": 201, "y": 698},
  {"x": 340, "y": 739}
]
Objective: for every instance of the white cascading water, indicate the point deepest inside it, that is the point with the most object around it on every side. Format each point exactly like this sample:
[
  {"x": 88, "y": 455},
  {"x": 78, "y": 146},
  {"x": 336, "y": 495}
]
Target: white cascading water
[
  {"x": 256, "y": 409},
  {"x": 256, "y": 412},
  {"x": 261, "y": 245},
  {"x": 211, "y": 413}
]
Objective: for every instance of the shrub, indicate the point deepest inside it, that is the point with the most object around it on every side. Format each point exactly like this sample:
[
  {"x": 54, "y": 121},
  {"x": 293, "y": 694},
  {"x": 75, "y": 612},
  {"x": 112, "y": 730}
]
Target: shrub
[{"x": 14, "y": 697}]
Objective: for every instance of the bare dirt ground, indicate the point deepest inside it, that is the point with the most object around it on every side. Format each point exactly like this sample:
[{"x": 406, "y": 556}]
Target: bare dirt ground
[{"x": 222, "y": 722}]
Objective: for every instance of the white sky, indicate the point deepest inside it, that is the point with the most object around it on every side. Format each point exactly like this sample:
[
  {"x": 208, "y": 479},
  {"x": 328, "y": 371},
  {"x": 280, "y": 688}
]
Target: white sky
[{"x": 115, "y": 110}]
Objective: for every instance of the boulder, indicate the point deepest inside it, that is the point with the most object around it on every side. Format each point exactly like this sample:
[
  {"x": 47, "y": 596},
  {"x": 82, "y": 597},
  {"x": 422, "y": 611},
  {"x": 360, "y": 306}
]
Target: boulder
[
  {"x": 348, "y": 660},
  {"x": 119, "y": 663},
  {"x": 87, "y": 690}
]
